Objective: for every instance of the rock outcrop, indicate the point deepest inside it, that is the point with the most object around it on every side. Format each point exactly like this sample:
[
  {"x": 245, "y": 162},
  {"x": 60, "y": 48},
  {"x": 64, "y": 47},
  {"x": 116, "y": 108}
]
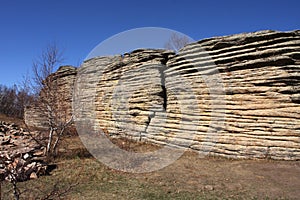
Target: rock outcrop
[
  {"x": 62, "y": 82},
  {"x": 260, "y": 73},
  {"x": 235, "y": 96}
]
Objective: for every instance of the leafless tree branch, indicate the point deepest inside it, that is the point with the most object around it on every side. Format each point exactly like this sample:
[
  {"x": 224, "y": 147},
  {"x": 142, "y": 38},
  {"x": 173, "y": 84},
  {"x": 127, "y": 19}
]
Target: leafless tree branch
[
  {"x": 51, "y": 97},
  {"x": 176, "y": 42}
]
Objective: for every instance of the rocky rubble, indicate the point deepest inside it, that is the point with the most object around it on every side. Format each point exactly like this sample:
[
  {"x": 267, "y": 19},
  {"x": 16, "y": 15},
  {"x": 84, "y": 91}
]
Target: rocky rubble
[{"x": 21, "y": 157}]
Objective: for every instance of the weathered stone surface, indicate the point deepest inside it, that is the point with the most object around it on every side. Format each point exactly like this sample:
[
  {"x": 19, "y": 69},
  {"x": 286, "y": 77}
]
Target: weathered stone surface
[
  {"x": 167, "y": 98},
  {"x": 21, "y": 157},
  {"x": 133, "y": 93},
  {"x": 261, "y": 78},
  {"x": 63, "y": 83}
]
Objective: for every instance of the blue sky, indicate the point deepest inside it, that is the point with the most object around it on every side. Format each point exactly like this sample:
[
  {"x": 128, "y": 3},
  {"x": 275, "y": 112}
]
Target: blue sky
[{"x": 26, "y": 27}]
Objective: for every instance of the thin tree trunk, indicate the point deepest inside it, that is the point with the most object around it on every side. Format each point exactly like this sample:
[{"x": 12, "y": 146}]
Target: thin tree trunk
[
  {"x": 15, "y": 187},
  {"x": 57, "y": 140},
  {"x": 50, "y": 141},
  {"x": 16, "y": 192},
  {"x": 61, "y": 133}
]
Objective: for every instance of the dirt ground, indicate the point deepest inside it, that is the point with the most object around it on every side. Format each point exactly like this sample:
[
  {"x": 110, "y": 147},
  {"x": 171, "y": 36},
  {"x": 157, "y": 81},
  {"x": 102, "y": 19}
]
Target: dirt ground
[
  {"x": 232, "y": 178},
  {"x": 222, "y": 177},
  {"x": 229, "y": 178},
  {"x": 190, "y": 177}
]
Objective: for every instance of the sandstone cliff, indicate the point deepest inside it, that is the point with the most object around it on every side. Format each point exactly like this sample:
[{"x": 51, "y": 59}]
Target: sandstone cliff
[
  {"x": 235, "y": 96},
  {"x": 61, "y": 91}
]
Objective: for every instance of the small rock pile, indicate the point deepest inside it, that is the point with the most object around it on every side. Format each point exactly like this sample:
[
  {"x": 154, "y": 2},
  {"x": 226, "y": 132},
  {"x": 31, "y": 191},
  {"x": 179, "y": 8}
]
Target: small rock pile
[{"x": 21, "y": 157}]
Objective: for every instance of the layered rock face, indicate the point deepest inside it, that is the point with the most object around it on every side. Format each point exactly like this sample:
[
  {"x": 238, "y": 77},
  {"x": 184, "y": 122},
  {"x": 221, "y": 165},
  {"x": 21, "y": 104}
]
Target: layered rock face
[
  {"x": 62, "y": 83},
  {"x": 236, "y": 96},
  {"x": 260, "y": 74}
]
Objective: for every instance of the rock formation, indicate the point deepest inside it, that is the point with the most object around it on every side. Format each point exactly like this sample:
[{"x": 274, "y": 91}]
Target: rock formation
[
  {"x": 62, "y": 82},
  {"x": 235, "y": 96}
]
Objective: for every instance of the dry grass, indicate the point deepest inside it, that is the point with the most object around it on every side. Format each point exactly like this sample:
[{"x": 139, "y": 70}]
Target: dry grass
[
  {"x": 13, "y": 120},
  {"x": 79, "y": 176},
  {"x": 188, "y": 178}
]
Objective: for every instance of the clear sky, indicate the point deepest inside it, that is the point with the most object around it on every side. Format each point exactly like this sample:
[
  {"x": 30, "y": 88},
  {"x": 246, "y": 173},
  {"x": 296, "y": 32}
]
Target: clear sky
[{"x": 77, "y": 26}]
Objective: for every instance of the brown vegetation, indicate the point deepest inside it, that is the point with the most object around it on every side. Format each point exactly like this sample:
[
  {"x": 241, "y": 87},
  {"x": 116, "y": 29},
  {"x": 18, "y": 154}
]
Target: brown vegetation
[{"x": 190, "y": 177}]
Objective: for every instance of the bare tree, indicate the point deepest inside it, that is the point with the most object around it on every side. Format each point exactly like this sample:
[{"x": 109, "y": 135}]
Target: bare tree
[
  {"x": 176, "y": 42},
  {"x": 45, "y": 65},
  {"x": 8, "y": 97},
  {"x": 13, "y": 100},
  {"x": 51, "y": 98}
]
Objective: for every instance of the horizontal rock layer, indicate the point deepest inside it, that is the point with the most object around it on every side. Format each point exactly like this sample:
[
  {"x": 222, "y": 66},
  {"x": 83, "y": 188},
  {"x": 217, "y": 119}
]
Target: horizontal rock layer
[
  {"x": 60, "y": 95},
  {"x": 234, "y": 96},
  {"x": 260, "y": 73}
]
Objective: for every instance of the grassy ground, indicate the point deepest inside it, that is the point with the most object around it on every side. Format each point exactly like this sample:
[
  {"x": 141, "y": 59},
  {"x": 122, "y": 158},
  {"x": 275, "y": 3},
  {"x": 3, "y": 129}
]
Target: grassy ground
[
  {"x": 16, "y": 121},
  {"x": 80, "y": 176}
]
